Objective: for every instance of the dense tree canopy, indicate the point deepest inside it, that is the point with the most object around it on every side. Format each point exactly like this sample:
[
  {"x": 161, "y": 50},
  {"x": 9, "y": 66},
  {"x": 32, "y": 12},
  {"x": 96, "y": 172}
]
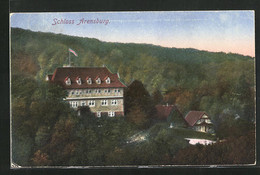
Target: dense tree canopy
[{"x": 45, "y": 131}]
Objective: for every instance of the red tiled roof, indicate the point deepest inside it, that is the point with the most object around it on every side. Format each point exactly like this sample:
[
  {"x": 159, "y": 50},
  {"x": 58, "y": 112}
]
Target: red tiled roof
[
  {"x": 163, "y": 111},
  {"x": 106, "y": 77},
  {"x": 193, "y": 116},
  {"x": 61, "y": 73}
]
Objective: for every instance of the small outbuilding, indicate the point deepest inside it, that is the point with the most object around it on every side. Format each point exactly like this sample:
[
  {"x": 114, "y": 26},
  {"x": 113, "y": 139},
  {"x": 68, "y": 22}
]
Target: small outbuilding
[
  {"x": 171, "y": 114},
  {"x": 199, "y": 121}
]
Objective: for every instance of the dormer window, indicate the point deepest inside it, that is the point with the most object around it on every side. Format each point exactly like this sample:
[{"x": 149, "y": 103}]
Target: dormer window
[
  {"x": 67, "y": 81},
  {"x": 89, "y": 81},
  {"x": 98, "y": 81},
  {"x": 78, "y": 80},
  {"x": 108, "y": 80}
]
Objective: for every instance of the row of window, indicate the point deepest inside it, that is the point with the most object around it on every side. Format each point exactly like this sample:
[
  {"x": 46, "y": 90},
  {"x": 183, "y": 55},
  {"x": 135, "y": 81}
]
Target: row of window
[
  {"x": 202, "y": 120},
  {"x": 91, "y": 103},
  {"x": 96, "y": 91},
  {"x": 88, "y": 80},
  {"x": 110, "y": 114}
]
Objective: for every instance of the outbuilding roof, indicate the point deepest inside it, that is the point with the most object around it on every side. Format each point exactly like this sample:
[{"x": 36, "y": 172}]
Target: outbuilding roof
[
  {"x": 163, "y": 111},
  {"x": 193, "y": 116}
]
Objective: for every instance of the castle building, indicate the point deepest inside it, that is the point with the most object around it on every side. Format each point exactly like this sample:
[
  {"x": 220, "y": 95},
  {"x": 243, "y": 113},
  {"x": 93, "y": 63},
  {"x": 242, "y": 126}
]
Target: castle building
[{"x": 95, "y": 87}]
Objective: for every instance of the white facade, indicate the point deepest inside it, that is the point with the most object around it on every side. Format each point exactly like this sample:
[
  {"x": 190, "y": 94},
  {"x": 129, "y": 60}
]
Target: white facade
[{"x": 100, "y": 101}]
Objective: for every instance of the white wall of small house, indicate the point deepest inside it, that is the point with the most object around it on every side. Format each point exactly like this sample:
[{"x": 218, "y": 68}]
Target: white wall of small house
[
  {"x": 205, "y": 119},
  {"x": 202, "y": 128}
]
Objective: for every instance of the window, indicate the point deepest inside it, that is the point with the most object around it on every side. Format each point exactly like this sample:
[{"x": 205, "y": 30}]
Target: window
[
  {"x": 114, "y": 102},
  {"x": 107, "y": 91},
  {"x": 88, "y": 91},
  {"x": 97, "y": 91},
  {"x": 111, "y": 113},
  {"x": 91, "y": 103},
  {"x": 207, "y": 121},
  {"x": 67, "y": 81},
  {"x": 74, "y": 104},
  {"x": 104, "y": 103},
  {"x": 108, "y": 80},
  {"x": 72, "y": 92},
  {"x": 89, "y": 81},
  {"x": 98, "y": 114},
  {"x": 117, "y": 90},
  {"x": 78, "y": 80},
  {"x": 77, "y": 92},
  {"x": 98, "y": 81},
  {"x": 83, "y": 103}
]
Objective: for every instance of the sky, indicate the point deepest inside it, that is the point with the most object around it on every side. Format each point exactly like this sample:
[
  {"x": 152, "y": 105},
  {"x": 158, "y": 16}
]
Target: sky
[{"x": 216, "y": 31}]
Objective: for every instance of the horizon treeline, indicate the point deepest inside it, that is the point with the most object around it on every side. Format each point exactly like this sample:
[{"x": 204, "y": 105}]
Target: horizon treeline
[{"x": 215, "y": 82}]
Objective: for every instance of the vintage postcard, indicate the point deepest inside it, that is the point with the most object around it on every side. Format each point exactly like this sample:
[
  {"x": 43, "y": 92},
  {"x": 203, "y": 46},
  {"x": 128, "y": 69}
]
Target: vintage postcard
[{"x": 132, "y": 89}]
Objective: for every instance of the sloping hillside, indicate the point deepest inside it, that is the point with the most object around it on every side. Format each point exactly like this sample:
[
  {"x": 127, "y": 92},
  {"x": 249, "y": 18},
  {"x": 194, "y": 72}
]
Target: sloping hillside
[{"x": 192, "y": 79}]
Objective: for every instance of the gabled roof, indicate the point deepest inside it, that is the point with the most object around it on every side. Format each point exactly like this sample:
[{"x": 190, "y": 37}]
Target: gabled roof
[
  {"x": 61, "y": 73},
  {"x": 163, "y": 111},
  {"x": 166, "y": 111},
  {"x": 193, "y": 116}
]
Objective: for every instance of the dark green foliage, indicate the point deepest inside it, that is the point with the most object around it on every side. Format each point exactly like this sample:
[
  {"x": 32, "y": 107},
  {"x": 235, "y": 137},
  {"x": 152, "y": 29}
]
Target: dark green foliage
[
  {"x": 157, "y": 97},
  {"x": 239, "y": 150},
  {"x": 45, "y": 131},
  {"x": 139, "y": 105},
  {"x": 192, "y": 79},
  {"x": 233, "y": 126}
]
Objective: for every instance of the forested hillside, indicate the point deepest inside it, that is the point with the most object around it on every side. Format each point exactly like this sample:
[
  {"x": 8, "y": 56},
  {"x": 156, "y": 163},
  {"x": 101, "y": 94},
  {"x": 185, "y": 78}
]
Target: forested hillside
[
  {"x": 219, "y": 83},
  {"x": 46, "y": 131}
]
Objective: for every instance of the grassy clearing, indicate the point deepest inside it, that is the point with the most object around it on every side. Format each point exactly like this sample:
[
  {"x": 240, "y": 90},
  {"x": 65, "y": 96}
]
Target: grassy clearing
[{"x": 178, "y": 132}]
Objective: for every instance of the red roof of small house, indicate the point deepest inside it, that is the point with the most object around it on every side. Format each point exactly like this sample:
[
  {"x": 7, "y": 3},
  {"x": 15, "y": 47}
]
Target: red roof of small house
[
  {"x": 163, "y": 111},
  {"x": 193, "y": 116},
  {"x": 61, "y": 73}
]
